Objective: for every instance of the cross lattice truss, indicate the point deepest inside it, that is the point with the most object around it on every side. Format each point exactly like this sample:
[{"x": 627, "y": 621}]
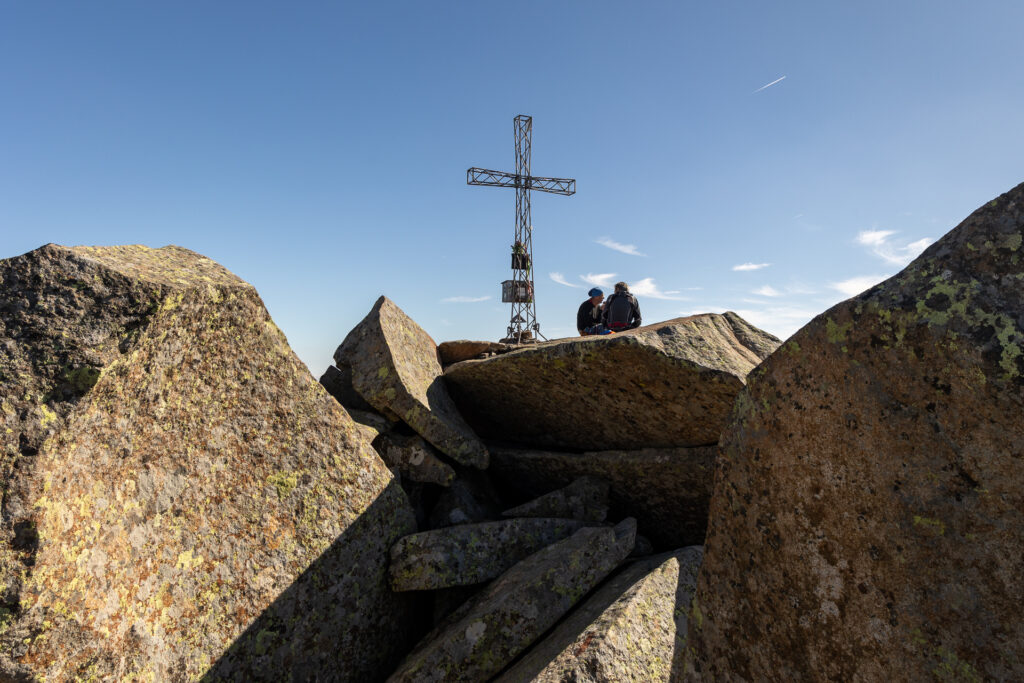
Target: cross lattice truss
[{"x": 519, "y": 291}]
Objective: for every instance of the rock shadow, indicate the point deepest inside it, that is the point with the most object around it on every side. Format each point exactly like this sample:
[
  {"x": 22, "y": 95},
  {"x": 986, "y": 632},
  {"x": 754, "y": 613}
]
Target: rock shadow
[{"x": 339, "y": 620}]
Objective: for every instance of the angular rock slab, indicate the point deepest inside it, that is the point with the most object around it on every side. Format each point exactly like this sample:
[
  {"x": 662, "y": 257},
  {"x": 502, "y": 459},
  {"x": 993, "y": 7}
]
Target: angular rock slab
[
  {"x": 632, "y": 629},
  {"x": 667, "y": 490},
  {"x": 464, "y": 349},
  {"x": 585, "y": 499},
  {"x": 200, "y": 504},
  {"x": 666, "y": 385},
  {"x": 868, "y": 515},
  {"x": 414, "y": 459},
  {"x": 485, "y": 634},
  {"x": 395, "y": 368},
  {"x": 471, "y": 553}
]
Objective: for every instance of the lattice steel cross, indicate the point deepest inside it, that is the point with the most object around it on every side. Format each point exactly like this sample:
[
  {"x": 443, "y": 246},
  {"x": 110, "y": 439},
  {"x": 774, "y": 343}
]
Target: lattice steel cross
[{"x": 522, "y": 298}]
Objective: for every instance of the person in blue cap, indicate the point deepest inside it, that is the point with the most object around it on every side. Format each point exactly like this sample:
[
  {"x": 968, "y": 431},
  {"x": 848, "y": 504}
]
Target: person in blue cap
[{"x": 588, "y": 318}]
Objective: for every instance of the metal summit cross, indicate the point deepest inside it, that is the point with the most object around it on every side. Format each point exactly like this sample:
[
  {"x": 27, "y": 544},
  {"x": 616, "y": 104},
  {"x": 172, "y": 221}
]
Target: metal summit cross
[{"x": 519, "y": 290}]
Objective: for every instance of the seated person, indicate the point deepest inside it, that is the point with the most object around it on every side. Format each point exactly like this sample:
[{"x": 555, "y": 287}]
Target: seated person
[
  {"x": 621, "y": 311},
  {"x": 588, "y": 318}
]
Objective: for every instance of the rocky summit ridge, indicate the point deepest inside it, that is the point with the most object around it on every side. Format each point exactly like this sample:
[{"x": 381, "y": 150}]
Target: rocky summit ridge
[{"x": 182, "y": 501}]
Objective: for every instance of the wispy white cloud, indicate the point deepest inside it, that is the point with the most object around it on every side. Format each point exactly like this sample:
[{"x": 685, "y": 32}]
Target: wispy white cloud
[
  {"x": 856, "y": 285},
  {"x": 560, "y": 279},
  {"x": 767, "y": 290},
  {"x": 703, "y": 309},
  {"x": 465, "y": 299},
  {"x": 648, "y": 288},
  {"x": 768, "y": 85},
  {"x": 751, "y": 266},
  {"x": 881, "y": 245},
  {"x": 599, "y": 279},
  {"x": 630, "y": 249}
]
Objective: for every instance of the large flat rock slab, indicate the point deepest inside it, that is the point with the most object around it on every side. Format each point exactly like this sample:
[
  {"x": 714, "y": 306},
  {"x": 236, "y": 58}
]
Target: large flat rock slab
[
  {"x": 395, "y": 367},
  {"x": 667, "y": 490},
  {"x": 471, "y": 553},
  {"x": 480, "y": 638},
  {"x": 633, "y": 628},
  {"x": 666, "y": 385},
  {"x": 183, "y": 498},
  {"x": 868, "y": 515}
]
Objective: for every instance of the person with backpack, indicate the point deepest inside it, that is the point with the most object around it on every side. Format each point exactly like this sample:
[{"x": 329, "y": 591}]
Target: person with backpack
[
  {"x": 621, "y": 310},
  {"x": 588, "y": 317}
]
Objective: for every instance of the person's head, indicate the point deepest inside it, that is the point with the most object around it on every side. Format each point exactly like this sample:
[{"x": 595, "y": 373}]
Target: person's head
[
  {"x": 621, "y": 287},
  {"x": 596, "y": 296}
]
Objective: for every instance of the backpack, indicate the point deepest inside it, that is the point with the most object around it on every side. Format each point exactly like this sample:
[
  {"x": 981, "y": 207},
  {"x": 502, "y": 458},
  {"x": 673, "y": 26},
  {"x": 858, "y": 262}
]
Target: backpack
[{"x": 619, "y": 311}]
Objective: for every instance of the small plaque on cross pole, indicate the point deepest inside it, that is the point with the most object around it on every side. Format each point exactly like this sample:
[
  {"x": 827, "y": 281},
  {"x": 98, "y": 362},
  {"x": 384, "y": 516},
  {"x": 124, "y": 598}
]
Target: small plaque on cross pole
[{"x": 519, "y": 291}]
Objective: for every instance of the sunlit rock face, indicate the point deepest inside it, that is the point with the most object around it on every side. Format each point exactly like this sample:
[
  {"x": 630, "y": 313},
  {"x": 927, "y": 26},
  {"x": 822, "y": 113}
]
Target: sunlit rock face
[
  {"x": 665, "y": 385},
  {"x": 395, "y": 368},
  {"x": 183, "y": 498},
  {"x": 868, "y": 515}
]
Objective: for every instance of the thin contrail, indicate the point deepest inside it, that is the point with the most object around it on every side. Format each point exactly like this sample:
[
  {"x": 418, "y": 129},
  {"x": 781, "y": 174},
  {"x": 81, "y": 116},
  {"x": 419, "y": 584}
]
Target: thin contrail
[{"x": 770, "y": 84}]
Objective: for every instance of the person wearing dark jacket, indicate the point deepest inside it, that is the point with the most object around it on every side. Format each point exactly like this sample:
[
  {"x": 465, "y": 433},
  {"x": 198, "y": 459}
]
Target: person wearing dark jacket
[
  {"x": 588, "y": 318},
  {"x": 621, "y": 310}
]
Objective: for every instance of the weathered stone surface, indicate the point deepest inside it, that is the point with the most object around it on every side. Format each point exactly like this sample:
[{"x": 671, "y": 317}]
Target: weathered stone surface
[
  {"x": 414, "y": 459},
  {"x": 395, "y": 368},
  {"x": 464, "y": 349},
  {"x": 868, "y": 517},
  {"x": 666, "y": 489},
  {"x": 188, "y": 498},
  {"x": 338, "y": 383},
  {"x": 372, "y": 419},
  {"x": 479, "y": 639},
  {"x": 632, "y": 629},
  {"x": 666, "y": 385},
  {"x": 471, "y": 553},
  {"x": 470, "y": 498},
  {"x": 586, "y": 499}
]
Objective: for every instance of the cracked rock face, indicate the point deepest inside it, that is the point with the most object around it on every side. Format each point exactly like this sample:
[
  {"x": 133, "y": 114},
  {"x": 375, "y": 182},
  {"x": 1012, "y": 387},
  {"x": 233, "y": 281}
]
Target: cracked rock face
[
  {"x": 585, "y": 499},
  {"x": 414, "y": 459},
  {"x": 197, "y": 500},
  {"x": 395, "y": 368},
  {"x": 665, "y": 385},
  {"x": 667, "y": 490},
  {"x": 467, "y": 554},
  {"x": 480, "y": 638},
  {"x": 633, "y": 628},
  {"x": 868, "y": 515}
]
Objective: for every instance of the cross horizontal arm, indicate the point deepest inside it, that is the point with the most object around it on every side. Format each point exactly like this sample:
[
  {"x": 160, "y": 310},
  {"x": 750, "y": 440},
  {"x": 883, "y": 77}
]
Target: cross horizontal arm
[{"x": 483, "y": 176}]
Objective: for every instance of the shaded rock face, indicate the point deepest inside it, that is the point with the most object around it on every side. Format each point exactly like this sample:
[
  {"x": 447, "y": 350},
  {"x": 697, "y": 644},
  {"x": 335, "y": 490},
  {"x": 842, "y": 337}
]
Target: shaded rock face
[
  {"x": 338, "y": 383},
  {"x": 480, "y": 638},
  {"x": 667, "y": 490},
  {"x": 414, "y": 459},
  {"x": 585, "y": 499},
  {"x": 470, "y": 553},
  {"x": 471, "y": 497},
  {"x": 868, "y": 517},
  {"x": 395, "y": 368},
  {"x": 665, "y": 385},
  {"x": 200, "y": 507},
  {"x": 633, "y": 628}
]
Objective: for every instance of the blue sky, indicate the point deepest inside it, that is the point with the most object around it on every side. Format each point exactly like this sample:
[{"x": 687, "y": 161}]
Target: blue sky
[{"x": 319, "y": 150}]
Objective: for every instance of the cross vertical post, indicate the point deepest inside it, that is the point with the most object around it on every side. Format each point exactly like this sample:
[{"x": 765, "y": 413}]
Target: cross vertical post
[{"x": 519, "y": 291}]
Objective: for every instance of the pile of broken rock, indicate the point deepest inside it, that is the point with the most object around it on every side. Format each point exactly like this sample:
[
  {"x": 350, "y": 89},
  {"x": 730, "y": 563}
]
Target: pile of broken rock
[
  {"x": 182, "y": 500},
  {"x": 597, "y": 463}
]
